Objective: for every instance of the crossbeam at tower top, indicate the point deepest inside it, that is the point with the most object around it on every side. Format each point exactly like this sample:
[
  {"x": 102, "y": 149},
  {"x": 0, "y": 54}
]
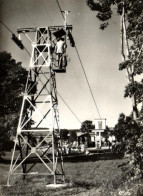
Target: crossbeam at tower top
[{"x": 34, "y": 29}]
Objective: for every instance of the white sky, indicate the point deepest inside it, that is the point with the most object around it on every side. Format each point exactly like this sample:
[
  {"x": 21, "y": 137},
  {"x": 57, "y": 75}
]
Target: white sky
[{"x": 99, "y": 52}]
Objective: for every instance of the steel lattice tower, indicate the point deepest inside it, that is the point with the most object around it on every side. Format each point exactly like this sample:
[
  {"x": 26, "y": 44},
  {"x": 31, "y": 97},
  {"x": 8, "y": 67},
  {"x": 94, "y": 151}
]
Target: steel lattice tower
[{"x": 38, "y": 132}]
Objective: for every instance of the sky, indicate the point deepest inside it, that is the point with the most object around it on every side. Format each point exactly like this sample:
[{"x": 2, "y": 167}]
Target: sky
[{"x": 100, "y": 52}]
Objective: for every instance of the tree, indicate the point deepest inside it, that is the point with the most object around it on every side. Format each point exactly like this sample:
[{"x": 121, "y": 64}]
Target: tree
[
  {"x": 12, "y": 82},
  {"x": 64, "y": 134},
  {"x": 129, "y": 133},
  {"x": 87, "y": 126},
  {"x": 120, "y": 127},
  {"x": 72, "y": 136},
  {"x": 107, "y": 132},
  {"x": 131, "y": 17}
]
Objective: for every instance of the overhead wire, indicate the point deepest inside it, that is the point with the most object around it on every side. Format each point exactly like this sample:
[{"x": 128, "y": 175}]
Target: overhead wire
[
  {"x": 60, "y": 9},
  {"x": 87, "y": 82},
  {"x": 69, "y": 108},
  {"x": 83, "y": 69},
  {"x": 6, "y": 27},
  {"x": 25, "y": 11},
  {"x": 27, "y": 51},
  {"x": 13, "y": 33},
  {"x": 47, "y": 12},
  {"x": 29, "y": 19}
]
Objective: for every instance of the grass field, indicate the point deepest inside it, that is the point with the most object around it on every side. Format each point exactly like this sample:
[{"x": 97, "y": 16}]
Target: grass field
[{"x": 84, "y": 176}]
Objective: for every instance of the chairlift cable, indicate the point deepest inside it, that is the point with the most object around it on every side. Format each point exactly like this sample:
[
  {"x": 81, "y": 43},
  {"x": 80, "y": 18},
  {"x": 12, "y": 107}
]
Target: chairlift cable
[
  {"x": 47, "y": 12},
  {"x": 27, "y": 51},
  {"x": 6, "y": 27},
  {"x": 25, "y": 11},
  {"x": 60, "y": 9},
  {"x": 69, "y": 107},
  {"x": 87, "y": 82},
  {"x": 13, "y": 34},
  {"x": 82, "y": 68}
]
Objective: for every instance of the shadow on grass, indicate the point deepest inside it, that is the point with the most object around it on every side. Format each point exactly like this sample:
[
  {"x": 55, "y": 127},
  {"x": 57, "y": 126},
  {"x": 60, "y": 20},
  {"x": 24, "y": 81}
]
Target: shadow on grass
[
  {"x": 76, "y": 158},
  {"x": 93, "y": 157},
  {"x": 84, "y": 185}
]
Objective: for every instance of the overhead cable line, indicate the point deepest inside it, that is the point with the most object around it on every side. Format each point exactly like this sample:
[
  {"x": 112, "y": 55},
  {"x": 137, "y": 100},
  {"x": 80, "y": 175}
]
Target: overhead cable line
[
  {"x": 47, "y": 12},
  {"x": 69, "y": 108},
  {"x": 67, "y": 105},
  {"x": 82, "y": 68},
  {"x": 15, "y": 38},
  {"x": 27, "y": 51},
  {"x": 25, "y": 11},
  {"x": 60, "y": 9},
  {"x": 87, "y": 81},
  {"x": 6, "y": 27}
]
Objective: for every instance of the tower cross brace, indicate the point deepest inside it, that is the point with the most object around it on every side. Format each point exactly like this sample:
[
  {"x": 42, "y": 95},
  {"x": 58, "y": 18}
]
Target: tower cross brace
[{"x": 38, "y": 132}]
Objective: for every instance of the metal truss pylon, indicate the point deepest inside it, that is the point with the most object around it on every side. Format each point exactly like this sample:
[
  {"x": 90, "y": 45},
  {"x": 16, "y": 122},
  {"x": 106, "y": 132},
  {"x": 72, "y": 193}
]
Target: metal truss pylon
[{"x": 38, "y": 134}]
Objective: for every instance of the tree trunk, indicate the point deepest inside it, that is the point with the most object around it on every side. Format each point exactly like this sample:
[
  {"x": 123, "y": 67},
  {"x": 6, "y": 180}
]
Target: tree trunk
[{"x": 125, "y": 55}]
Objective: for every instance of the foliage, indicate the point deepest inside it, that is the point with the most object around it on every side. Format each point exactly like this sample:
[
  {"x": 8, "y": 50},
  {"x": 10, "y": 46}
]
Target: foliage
[
  {"x": 130, "y": 134},
  {"x": 129, "y": 130},
  {"x": 133, "y": 17},
  {"x": 87, "y": 126},
  {"x": 103, "y": 8},
  {"x": 64, "y": 134},
  {"x": 108, "y": 131},
  {"x": 72, "y": 136},
  {"x": 12, "y": 82},
  {"x": 119, "y": 130},
  {"x": 136, "y": 89},
  {"x": 68, "y": 135}
]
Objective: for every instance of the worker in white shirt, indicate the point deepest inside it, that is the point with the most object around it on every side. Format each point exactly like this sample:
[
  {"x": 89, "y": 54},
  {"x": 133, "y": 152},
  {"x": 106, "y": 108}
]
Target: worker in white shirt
[{"x": 60, "y": 50}]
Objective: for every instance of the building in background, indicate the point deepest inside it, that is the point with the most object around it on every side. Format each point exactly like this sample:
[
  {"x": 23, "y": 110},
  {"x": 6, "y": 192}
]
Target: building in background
[{"x": 98, "y": 135}]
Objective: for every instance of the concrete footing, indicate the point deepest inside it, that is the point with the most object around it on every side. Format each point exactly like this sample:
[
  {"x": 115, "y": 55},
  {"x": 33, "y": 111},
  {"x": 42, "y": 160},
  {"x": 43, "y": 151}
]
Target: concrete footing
[{"x": 56, "y": 185}]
